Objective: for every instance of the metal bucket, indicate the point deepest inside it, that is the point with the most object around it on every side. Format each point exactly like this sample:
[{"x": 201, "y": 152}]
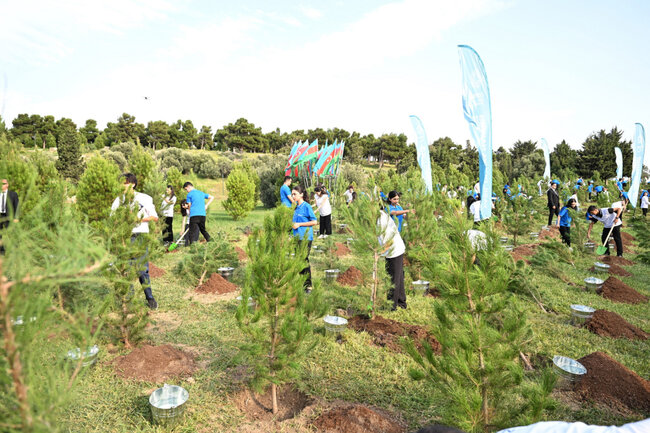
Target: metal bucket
[
  {"x": 331, "y": 275},
  {"x": 580, "y": 313},
  {"x": 251, "y": 301},
  {"x": 568, "y": 369},
  {"x": 89, "y": 357},
  {"x": 593, "y": 283},
  {"x": 508, "y": 247},
  {"x": 342, "y": 226},
  {"x": 226, "y": 272},
  {"x": 544, "y": 227},
  {"x": 349, "y": 241},
  {"x": 335, "y": 324},
  {"x": 601, "y": 267},
  {"x": 168, "y": 404},
  {"x": 504, "y": 240},
  {"x": 420, "y": 286},
  {"x": 534, "y": 235},
  {"x": 19, "y": 321},
  {"x": 590, "y": 247}
]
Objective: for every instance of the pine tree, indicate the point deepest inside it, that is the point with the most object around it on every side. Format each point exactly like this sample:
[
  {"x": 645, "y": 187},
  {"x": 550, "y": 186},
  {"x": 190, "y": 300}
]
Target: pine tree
[
  {"x": 279, "y": 328},
  {"x": 97, "y": 188},
  {"x": 481, "y": 330},
  {"x": 204, "y": 259},
  {"x": 69, "y": 164},
  {"x": 241, "y": 194},
  {"x": 518, "y": 218}
]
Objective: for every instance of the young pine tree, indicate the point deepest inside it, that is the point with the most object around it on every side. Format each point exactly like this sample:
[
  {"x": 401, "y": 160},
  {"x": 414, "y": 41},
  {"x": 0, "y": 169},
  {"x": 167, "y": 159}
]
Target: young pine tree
[
  {"x": 518, "y": 218},
  {"x": 69, "y": 164},
  {"x": 204, "y": 259},
  {"x": 481, "y": 330},
  {"x": 279, "y": 328},
  {"x": 97, "y": 188},
  {"x": 241, "y": 194}
]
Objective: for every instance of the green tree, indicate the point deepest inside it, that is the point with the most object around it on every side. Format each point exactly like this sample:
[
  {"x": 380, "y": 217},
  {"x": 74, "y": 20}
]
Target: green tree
[
  {"x": 243, "y": 136},
  {"x": 563, "y": 160},
  {"x": 142, "y": 164},
  {"x": 203, "y": 260},
  {"x": 204, "y": 139},
  {"x": 69, "y": 164},
  {"x": 157, "y": 134},
  {"x": 97, "y": 188},
  {"x": 597, "y": 154},
  {"x": 278, "y": 329},
  {"x": 125, "y": 130},
  {"x": 518, "y": 218},
  {"x": 90, "y": 131},
  {"x": 241, "y": 194}
]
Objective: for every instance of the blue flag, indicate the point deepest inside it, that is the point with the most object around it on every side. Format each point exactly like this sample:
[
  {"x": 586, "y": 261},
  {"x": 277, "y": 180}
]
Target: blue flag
[
  {"x": 619, "y": 163},
  {"x": 422, "y": 148},
  {"x": 547, "y": 159},
  {"x": 478, "y": 113},
  {"x": 637, "y": 163}
]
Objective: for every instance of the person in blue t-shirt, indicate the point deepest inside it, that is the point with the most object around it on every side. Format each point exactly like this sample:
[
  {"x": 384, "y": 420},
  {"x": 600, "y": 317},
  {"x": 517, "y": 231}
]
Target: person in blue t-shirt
[
  {"x": 564, "y": 221},
  {"x": 285, "y": 193},
  {"x": 396, "y": 210},
  {"x": 304, "y": 220},
  {"x": 197, "y": 205}
]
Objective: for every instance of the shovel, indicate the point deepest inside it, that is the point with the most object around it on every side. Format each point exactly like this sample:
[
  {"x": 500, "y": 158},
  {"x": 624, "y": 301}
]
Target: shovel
[
  {"x": 602, "y": 249},
  {"x": 174, "y": 245}
]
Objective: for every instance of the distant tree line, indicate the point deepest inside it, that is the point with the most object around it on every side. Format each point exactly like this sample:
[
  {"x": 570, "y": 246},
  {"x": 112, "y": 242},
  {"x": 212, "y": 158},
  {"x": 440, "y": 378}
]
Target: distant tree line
[{"x": 524, "y": 158}]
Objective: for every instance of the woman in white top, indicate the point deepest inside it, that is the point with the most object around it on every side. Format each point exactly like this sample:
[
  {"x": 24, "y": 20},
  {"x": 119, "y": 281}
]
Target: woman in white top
[
  {"x": 323, "y": 206},
  {"x": 169, "y": 200},
  {"x": 394, "y": 253},
  {"x": 644, "y": 202}
]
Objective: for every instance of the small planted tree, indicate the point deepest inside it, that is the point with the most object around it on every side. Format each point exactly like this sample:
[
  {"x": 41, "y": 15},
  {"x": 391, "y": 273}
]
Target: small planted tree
[
  {"x": 241, "y": 194},
  {"x": 97, "y": 189},
  {"x": 518, "y": 218},
  {"x": 69, "y": 164},
  {"x": 279, "y": 328},
  {"x": 204, "y": 259},
  {"x": 481, "y": 330}
]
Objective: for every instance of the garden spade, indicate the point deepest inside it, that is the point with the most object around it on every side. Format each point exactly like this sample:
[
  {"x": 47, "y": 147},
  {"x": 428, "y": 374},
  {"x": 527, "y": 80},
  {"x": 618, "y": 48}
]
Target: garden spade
[
  {"x": 174, "y": 245},
  {"x": 602, "y": 249}
]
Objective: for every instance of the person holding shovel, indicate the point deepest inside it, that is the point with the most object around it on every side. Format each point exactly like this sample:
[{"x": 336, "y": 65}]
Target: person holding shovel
[
  {"x": 611, "y": 219},
  {"x": 564, "y": 221},
  {"x": 303, "y": 222},
  {"x": 197, "y": 206},
  {"x": 553, "y": 200}
]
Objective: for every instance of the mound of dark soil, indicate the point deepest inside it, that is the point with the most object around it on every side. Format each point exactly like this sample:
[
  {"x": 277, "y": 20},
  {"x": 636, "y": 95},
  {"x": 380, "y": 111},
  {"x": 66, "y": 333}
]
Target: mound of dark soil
[
  {"x": 627, "y": 237},
  {"x": 259, "y": 406},
  {"x": 241, "y": 254},
  {"x": 155, "y": 271},
  {"x": 613, "y": 384},
  {"x": 615, "y": 260},
  {"x": 609, "y": 324},
  {"x": 615, "y": 270},
  {"x": 342, "y": 249},
  {"x": 351, "y": 277},
  {"x": 154, "y": 364},
  {"x": 356, "y": 419},
  {"x": 387, "y": 332},
  {"x": 617, "y": 291},
  {"x": 553, "y": 232},
  {"x": 216, "y": 284},
  {"x": 523, "y": 251}
]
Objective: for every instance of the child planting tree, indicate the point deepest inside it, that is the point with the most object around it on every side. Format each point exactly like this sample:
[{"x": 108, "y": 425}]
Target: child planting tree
[
  {"x": 279, "y": 327},
  {"x": 481, "y": 330}
]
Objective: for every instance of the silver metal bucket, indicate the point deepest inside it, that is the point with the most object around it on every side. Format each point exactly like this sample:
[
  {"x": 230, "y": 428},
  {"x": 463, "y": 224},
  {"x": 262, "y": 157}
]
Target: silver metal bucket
[
  {"x": 226, "y": 272},
  {"x": 568, "y": 370},
  {"x": 504, "y": 240},
  {"x": 508, "y": 247},
  {"x": 593, "y": 283},
  {"x": 601, "y": 267},
  {"x": 331, "y": 275},
  {"x": 420, "y": 286},
  {"x": 590, "y": 247},
  {"x": 580, "y": 313},
  {"x": 89, "y": 357},
  {"x": 251, "y": 301},
  {"x": 534, "y": 235},
  {"x": 335, "y": 324},
  {"x": 168, "y": 404},
  {"x": 349, "y": 241}
]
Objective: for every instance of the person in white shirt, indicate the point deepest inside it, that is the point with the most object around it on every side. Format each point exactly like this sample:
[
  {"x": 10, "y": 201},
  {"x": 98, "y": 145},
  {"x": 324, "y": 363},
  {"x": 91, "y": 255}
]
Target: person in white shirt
[
  {"x": 146, "y": 212},
  {"x": 642, "y": 426},
  {"x": 349, "y": 194},
  {"x": 611, "y": 219},
  {"x": 645, "y": 201},
  {"x": 475, "y": 208},
  {"x": 394, "y": 250},
  {"x": 169, "y": 201},
  {"x": 324, "y": 207}
]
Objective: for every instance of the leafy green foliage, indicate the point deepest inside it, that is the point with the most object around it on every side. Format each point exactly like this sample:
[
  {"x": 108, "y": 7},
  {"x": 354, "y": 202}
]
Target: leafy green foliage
[
  {"x": 203, "y": 259},
  {"x": 97, "y": 188},
  {"x": 518, "y": 220},
  {"x": 69, "y": 164},
  {"x": 241, "y": 193},
  {"x": 142, "y": 164}
]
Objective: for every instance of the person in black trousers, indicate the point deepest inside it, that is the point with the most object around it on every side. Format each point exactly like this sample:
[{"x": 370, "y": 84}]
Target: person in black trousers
[
  {"x": 553, "y": 201},
  {"x": 611, "y": 219},
  {"x": 564, "y": 221},
  {"x": 8, "y": 208}
]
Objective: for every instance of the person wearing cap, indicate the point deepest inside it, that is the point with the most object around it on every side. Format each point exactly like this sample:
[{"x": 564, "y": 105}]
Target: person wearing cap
[
  {"x": 590, "y": 188},
  {"x": 644, "y": 202},
  {"x": 553, "y": 200},
  {"x": 564, "y": 221},
  {"x": 611, "y": 219}
]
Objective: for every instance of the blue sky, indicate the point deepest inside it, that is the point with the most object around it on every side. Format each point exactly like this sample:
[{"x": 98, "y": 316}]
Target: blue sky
[{"x": 557, "y": 69}]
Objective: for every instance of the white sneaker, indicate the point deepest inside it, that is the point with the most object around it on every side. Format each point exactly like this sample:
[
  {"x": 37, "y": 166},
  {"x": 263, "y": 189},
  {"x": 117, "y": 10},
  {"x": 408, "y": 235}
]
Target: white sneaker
[{"x": 321, "y": 237}]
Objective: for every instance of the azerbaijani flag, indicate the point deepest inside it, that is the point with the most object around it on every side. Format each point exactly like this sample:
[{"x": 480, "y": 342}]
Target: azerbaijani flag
[
  {"x": 310, "y": 153},
  {"x": 293, "y": 151},
  {"x": 325, "y": 160},
  {"x": 298, "y": 153},
  {"x": 338, "y": 150}
]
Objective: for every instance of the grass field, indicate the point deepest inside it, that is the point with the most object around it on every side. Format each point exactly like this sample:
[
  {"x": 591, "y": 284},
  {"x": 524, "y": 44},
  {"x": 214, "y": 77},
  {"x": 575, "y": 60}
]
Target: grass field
[{"x": 355, "y": 371}]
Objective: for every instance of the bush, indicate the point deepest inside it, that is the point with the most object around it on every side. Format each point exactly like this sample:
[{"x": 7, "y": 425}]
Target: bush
[
  {"x": 125, "y": 149},
  {"x": 118, "y": 158},
  {"x": 252, "y": 175},
  {"x": 208, "y": 168},
  {"x": 141, "y": 164},
  {"x": 224, "y": 166},
  {"x": 241, "y": 194},
  {"x": 45, "y": 169},
  {"x": 270, "y": 184},
  {"x": 97, "y": 188},
  {"x": 69, "y": 163}
]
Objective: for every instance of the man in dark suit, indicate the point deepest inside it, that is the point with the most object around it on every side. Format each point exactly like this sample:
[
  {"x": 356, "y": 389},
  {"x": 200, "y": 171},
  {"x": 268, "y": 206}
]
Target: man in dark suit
[{"x": 8, "y": 205}]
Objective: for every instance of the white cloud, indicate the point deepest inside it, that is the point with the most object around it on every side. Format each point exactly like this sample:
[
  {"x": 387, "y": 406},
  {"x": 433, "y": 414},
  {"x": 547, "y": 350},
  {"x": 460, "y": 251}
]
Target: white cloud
[{"x": 310, "y": 12}]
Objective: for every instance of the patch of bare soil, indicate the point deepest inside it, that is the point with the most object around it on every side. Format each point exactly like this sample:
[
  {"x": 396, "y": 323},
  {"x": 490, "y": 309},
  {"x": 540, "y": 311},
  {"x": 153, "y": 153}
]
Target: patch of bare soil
[
  {"x": 613, "y": 384},
  {"x": 164, "y": 321},
  {"x": 615, "y": 270},
  {"x": 615, "y": 260},
  {"x": 241, "y": 254},
  {"x": 259, "y": 406},
  {"x": 216, "y": 284},
  {"x": 553, "y": 232},
  {"x": 609, "y": 324},
  {"x": 341, "y": 249},
  {"x": 356, "y": 419},
  {"x": 617, "y": 291},
  {"x": 351, "y": 277},
  {"x": 627, "y": 238},
  {"x": 155, "y": 271},
  {"x": 523, "y": 251},
  {"x": 387, "y": 333},
  {"x": 154, "y": 364}
]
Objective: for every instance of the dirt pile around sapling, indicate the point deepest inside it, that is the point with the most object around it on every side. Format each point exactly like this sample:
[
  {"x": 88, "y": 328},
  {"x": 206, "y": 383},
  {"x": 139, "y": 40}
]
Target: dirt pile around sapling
[
  {"x": 615, "y": 270},
  {"x": 617, "y": 291},
  {"x": 356, "y": 419},
  {"x": 155, "y": 271},
  {"x": 342, "y": 249},
  {"x": 627, "y": 238},
  {"x": 154, "y": 364},
  {"x": 216, "y": 284},
  {"x": 613, "y": 384},
  {"x": 387, "y": 332},
  {"x": 553, "y": 232},
  {"x": 351, "y": 277},
  {"x": 241, "y": 254},
  {"x": 609, "y": 324},
  {"x": 523, "y": 251},
  {"x": 259, "y": 406},
  {"x": 615, "y": 260}
]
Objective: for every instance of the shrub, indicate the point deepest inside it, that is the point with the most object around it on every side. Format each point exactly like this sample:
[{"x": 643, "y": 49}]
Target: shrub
[
  {"x": 141, "y": 164},
  {"x": 69, "y": 163},
  {"x": 270, "y": 183},
  {"x": 224, "y": 166},
  {"x": 241, "y": 190},
  {"x": 208, "y": 168},
  {"x": 203, "y": 260},
  {"x": 118, "y": 158},
  {"x": 97, "y": 188}
]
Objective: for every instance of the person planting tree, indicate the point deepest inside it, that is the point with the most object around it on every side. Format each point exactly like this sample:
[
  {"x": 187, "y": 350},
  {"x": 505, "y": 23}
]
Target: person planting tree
[
  {"x": 323, "y": 207},
  {"x": 197, "y": 206},
  {"x": 303, "y": 222},
  {"x": 564, "y": 221},
  {"x": 553, "y": 200},
  {"x": 393, "y": 249},
  {"x": 396, "y": 210},
  {"x": 610, "y": 217}
]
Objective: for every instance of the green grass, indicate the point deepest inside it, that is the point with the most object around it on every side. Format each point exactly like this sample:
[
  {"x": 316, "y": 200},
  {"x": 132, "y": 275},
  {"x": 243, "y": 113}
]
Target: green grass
[{"x": 355, "y": 370}]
